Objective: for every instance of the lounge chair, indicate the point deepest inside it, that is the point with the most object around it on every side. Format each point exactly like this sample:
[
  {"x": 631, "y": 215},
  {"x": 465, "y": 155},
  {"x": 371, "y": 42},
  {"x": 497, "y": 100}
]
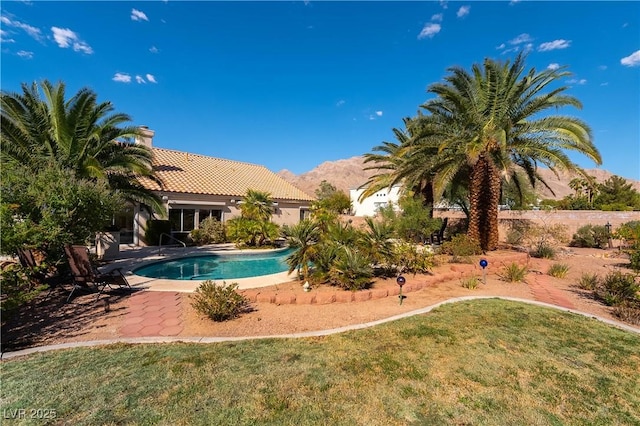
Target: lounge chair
[
  {"x": 40, "y": 275},
  {"x": 85, "y": 273}
]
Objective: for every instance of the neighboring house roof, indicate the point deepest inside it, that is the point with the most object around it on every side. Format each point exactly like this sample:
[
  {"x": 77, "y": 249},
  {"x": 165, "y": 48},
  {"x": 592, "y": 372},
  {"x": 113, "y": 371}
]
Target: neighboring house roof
[{"x": 198, "y": 174}]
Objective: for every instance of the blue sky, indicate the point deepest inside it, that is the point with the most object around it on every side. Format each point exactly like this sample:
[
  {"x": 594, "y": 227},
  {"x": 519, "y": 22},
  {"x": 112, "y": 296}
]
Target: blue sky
[{"x": 292, "y": 84}]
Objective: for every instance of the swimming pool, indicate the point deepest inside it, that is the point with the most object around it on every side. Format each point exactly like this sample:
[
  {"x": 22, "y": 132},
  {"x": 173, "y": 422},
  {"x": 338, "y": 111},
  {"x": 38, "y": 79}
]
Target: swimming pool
[{"x": 218, "y": 266}]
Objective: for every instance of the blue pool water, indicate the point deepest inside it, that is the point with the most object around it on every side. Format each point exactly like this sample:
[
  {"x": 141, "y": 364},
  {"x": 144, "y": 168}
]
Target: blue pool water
[{"x": 217, "y": 266}]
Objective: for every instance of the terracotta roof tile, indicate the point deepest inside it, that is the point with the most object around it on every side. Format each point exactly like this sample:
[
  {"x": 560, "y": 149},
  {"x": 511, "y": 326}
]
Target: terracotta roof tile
[{"x": 198, "y": 174}]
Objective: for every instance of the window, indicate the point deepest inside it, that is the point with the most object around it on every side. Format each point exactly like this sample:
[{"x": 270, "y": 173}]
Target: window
[
  {"x": 182, "y": 220},
  {"x": 203, "y": 214}
]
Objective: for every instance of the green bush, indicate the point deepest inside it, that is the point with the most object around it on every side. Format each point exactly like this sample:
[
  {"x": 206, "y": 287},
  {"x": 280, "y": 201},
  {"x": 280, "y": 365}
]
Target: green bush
[
  {"x": 471, "y": 283},
  {"x": 513, "y": 273},
  {"x": 219, "y": 302},
  {"x": 408, "y": 258},
  {"x": 593, "y": 236},
  {"x": 18, "y": 287},
  {"x": 617, "y": 288},
  {"x": 211, "y": 231},
  {"x": 154, "y": 229},
  {"x": 634, "y": 257},
  {"x": 544, "y": 251},
  {"x": 350, "y": 270},
  {"x": 628, "y": 312},
  {"x": 558, "y": 270},
  {"x": 588, "y": 281},
  {"x": 461, "y": 245}
]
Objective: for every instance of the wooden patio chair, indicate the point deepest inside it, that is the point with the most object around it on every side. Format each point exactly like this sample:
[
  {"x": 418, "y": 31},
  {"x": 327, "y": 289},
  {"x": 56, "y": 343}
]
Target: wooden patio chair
[{"x": 85, "y": 273}]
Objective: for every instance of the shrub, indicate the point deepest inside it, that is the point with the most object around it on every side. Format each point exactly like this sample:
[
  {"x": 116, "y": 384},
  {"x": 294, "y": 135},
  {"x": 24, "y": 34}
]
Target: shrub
[
  {"x": 617, "y": 288},
  {"x": 628, "y": 312},
  {"x": 558, "y": 270},
  {"x": 471, "y": 283},
  {"x": 517, "y": 231},
  {"x": 154, "y": 229},
  {"x": 513, "y": 273},
  {"x": 588, "y": 281},
  {"x": 408, "y": 258},
  {"x": 18, "y": 287},
  {"x": 219, "y": 302},
  {"x": 211, "y": 231},
  {"x": 593, "y": 236},
  {"x": 461, "y": 245},
  {"x": 634, "y": 257},
  {"x": 544, "y": 251},
  {"x": 350, "y": 270}
]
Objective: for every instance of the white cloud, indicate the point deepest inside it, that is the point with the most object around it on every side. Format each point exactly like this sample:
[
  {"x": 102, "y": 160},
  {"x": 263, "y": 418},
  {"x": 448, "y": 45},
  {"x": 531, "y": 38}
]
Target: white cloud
[
  {"x": 379, "y": 113},
  {"x": 140, "y": 80},
  {"x": 32, "y": 31},
  {"x": 502, "y": 46},
  {"x": 443, "y": 4},
  {"x": 341, "y": 102},
  {"x": 67, "y": 38},
  {"x": 151, "y": 78},
  {"x": 522, "y": 38},
  {"x": 429, "y": 30},
  {"x": 153, "y": 49},
  {"x": 138, "y": 15},
  {"x": 437, "y": 17},
  {"x": 512, "y": 2},
  {"x": 554, "y": 45},
  {"x": 576, "y": 81},
  {"x": 25, "y": 54},
  {"x": 3, "y": 37},
  {"x": 554, "y": 66},
  {"x": 122, "y": 77},
  {"x": 463, "y": 11},
  {"x": 632, "y": 60}
]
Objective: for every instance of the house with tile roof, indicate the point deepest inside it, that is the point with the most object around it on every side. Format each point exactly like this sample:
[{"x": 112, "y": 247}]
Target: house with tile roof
[{"x": 194, "y": 187}]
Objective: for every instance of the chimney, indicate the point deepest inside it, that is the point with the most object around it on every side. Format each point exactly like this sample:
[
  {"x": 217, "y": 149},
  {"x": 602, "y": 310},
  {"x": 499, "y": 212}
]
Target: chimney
[{"x": 146, "y": 136}]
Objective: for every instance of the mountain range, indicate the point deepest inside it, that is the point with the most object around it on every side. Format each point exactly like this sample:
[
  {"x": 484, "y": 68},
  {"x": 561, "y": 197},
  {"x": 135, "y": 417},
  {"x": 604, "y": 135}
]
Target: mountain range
[{"x": 350, "y": 173}]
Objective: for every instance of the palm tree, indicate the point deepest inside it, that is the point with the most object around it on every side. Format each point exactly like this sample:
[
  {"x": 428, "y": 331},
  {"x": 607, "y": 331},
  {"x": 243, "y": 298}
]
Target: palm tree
[
  {"x": 257, "y": 205},
  {"x": 488, "y": 125},
  {"x": 77, "y": 134},
  {"x": 303, "y": 237}
]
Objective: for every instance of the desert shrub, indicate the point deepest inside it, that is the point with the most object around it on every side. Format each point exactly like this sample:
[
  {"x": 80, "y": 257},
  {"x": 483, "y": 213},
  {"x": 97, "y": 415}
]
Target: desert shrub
[
  {"x": 517, "y": 231},
  {"x": 461, "y": 245},
  {"x": 350, "y": 270},
  {"x": 542, "y": 239},
  {"x": 471, "y": 283},
  {"x": 211, "y": 231},
  {"x": 594, "y": 236},
  {"x": 513, "y": 273},
  {"x": 220, "y": 302},
  {"x": 408, "y": 258},
  {"x": 588, "y": 281},
  {"x": 18, "y": 287},
  {"x": 628, "y": 312},
  {"x": 558, "y": 270},
  {"x": 617, "y": 288},
  {"x": 154, "y": 229},
  {"x": 634, "y": 257},
  {"x": 629, "y": 232},
  {"x": 544, "y": 251}
]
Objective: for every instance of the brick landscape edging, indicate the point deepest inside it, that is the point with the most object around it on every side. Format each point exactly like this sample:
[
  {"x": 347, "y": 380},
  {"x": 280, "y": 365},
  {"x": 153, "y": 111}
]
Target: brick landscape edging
[{"x": 457, "y": 271}]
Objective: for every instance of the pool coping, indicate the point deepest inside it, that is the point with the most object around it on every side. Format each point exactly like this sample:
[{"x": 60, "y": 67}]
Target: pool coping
[{"x": 144, "y": 256}]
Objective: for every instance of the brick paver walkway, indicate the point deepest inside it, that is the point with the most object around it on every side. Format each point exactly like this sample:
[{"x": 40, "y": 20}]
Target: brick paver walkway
[
  {"x": 544, "y": 291},
  {"x": 153, "y": 313}
]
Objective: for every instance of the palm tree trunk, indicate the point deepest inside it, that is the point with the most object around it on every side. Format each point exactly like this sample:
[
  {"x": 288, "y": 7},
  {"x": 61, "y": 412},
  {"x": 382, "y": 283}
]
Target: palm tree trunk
[{"x": 484, "y": 197}]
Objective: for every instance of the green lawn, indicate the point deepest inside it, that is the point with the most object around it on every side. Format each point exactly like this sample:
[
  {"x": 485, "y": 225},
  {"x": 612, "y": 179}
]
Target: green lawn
[{"x": 480, "y": 362}]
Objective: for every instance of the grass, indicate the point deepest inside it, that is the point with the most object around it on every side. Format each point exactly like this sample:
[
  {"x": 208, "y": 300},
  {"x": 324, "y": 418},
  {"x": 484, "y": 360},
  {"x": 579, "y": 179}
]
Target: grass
[{"x": 478, "y": 362}]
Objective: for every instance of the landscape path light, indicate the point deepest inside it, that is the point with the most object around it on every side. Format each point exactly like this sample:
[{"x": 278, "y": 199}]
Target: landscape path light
[
  {"x": 401, "y": 281},
  {"x": 483, "y": 264}
]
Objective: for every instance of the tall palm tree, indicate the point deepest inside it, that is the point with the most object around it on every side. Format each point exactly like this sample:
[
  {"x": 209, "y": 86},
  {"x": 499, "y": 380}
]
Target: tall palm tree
[
  {"x": 489, "y": 124},
  {"x": 77, "y": 134}
]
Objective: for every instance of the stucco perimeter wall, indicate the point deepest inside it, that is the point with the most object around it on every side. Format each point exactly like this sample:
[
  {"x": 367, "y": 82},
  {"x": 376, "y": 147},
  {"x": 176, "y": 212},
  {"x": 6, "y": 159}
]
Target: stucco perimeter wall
[{"x": 572, "y": 219}]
